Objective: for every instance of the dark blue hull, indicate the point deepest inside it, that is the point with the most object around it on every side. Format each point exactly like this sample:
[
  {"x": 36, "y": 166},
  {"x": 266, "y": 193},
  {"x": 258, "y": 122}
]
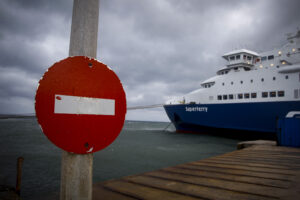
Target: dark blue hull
[{"x": 260, "y": 117}]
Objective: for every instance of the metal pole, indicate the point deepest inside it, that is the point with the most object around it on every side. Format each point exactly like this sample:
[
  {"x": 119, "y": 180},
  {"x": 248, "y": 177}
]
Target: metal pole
[{"x": 77, "y": 169}]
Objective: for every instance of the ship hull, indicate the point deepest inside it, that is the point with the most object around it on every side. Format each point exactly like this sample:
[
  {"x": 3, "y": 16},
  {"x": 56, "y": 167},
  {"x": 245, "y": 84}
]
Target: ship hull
[{"x": 257, "y": 117}]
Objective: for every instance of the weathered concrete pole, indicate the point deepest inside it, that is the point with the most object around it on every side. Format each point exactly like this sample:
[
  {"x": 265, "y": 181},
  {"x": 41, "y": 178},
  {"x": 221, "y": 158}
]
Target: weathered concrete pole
[
  {"x": 77, "y": 169},
  {"x": 84, "y": 30}
]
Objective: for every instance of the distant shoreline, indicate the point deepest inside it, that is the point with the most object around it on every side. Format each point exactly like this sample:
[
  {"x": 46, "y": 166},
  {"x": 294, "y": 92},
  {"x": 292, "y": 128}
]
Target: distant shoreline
[
  {"x": 4, "y": 116},
  {"x": 16, "y": 116}
]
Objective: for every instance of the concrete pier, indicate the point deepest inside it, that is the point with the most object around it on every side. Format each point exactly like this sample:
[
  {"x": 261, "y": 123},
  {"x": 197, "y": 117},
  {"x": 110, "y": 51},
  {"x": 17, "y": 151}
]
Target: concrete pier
[{"x": 256, "y": 172}]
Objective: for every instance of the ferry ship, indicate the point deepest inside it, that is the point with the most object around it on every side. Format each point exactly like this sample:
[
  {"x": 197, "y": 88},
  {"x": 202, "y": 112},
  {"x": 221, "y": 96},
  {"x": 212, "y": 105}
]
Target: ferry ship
[{"x": 250, "y": 93}]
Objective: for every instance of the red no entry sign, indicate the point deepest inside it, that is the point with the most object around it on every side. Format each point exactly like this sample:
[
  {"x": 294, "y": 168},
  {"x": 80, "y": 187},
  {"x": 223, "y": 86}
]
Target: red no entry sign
[{"x": 80, "y": 104}]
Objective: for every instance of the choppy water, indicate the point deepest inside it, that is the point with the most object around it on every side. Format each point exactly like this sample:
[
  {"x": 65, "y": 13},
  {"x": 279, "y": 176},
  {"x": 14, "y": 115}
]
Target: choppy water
[{"x": 141, "y": 147}]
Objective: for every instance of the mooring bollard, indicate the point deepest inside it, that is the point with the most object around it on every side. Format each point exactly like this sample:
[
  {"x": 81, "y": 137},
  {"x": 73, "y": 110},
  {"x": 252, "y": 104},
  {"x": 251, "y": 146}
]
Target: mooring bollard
[{"x": 19, "y": 175}]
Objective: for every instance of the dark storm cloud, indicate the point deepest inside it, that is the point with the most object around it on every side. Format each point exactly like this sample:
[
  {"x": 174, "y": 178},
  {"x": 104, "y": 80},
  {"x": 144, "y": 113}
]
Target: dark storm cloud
[
  {"x": 158, "y": 48},
  {"x": 30, "y": 32},
  {"x": 25, "y": 25}
]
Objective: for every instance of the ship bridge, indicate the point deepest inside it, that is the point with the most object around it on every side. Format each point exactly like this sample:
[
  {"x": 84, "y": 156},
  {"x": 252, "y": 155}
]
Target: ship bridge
[{"x": 241, "y": 58}]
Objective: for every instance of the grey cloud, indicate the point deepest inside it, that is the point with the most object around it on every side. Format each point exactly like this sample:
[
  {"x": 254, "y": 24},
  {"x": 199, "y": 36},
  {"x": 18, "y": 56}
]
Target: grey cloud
[{"x": 158, "y": 48}]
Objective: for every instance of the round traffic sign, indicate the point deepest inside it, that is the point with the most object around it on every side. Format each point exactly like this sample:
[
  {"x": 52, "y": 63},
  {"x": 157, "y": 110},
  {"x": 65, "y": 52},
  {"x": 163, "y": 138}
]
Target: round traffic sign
[{"x": 80, "y": 104}]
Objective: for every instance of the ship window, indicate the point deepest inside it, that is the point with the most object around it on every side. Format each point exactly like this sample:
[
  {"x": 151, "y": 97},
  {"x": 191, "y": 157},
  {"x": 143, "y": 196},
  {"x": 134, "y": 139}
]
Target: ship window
[
  {"x": 231, "y": 57},
  {"x": 264, "y": 58},
  {"x": 223, "y": 84},
  {"x": 241, "y": 82},
  {"x": 270, "y": 57},
  {"x": 280, "y": 93},
  {"x": 249, "y": 57},
  {"x": 273, "y": 94},
  {"x": 262, "y": 80},
  {"x": 251, "y": 80},
  {"x": 253, "y": 95},
  {"x": 246, "y": 95},
  {"x": 286, "y": 77},
  {"x": 225, "y": 97},
  {"x": 296, "y": 94},
  {"x": 219, "y": 97},
  {"x": 244, "y": 57},
  {"x": 240, "y": 96},
  {"x": 192, "y": 102},
  {"x": 231, "y": 83},
  {"x": 274, "y": 78},
  {"x": 264, "y": 94},
  {"x": 237, "y": 57},
  {"x": 230, "y": 96}
]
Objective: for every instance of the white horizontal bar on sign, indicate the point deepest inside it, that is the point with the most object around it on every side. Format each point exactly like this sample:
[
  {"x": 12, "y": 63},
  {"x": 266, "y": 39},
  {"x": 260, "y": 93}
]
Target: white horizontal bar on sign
[{"x": 65, "y": 104}]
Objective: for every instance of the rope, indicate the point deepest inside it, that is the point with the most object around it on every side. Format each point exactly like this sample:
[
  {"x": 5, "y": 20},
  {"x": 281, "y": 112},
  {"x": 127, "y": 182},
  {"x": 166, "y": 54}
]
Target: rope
[
  {"x": 144, "y": 107},
  {"x": 167, "y": 126}
]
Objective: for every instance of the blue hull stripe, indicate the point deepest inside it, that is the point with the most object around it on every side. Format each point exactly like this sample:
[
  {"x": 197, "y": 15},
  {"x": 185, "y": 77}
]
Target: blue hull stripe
[{"x": 260, "y": 116}]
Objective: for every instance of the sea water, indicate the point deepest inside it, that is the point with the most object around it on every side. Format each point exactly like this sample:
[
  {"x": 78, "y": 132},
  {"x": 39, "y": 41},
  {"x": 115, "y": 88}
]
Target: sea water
[{"x": 140, "y": 147}]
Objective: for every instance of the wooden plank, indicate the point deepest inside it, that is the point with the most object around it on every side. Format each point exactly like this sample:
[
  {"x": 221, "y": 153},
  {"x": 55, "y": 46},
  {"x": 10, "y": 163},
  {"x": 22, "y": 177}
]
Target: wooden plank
[
  {"x": 259, "y": 161},
  {"x": 100, "y": 193},
  {"x": 248, "y": 164},
  {"x": 194, "y": 190},
  {"x": 261, "y": 154},
  {"x": 248, "y": 168},
  {"x": 247, "y": 188},
  {"x": 139, "y": 191},
  {"x": 267, "y": 157},
  {"x": 257, "y": 152},
  {"x": 278, "y": 162},
  {"x": 238, "y": 172},
  {"x": 231, "y": 177}
]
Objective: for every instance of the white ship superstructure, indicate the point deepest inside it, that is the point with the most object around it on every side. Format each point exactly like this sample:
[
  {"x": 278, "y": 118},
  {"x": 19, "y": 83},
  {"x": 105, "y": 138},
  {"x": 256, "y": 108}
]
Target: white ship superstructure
[{"x": 252, "y": 79}]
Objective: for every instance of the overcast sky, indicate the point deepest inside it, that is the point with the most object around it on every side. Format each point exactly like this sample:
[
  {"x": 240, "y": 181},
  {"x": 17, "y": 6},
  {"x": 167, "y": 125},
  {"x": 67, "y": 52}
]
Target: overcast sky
[{"x": 158, "y": 48}]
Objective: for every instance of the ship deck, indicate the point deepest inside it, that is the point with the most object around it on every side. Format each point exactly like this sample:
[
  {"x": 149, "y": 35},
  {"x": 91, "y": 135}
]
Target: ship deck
[{"x": 257, "y": 172}]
